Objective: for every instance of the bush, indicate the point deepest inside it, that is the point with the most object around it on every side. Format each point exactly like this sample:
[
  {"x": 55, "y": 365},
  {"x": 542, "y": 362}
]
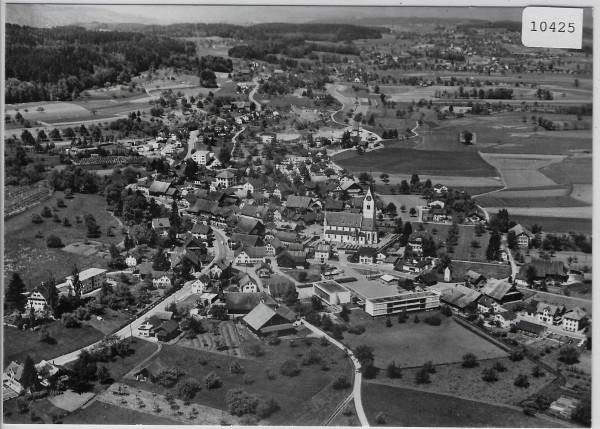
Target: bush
[
  {"x": 388, "y": 322},
  {"x": 54, "y": 242},
  {"x": 240, "y": 402},
  {"x": 422, "y": 376},
  {"x": 416, "y": 319},
  {"x": 212, "y": 380},
  {"x": 46, "y": 212},
  {"x": 69, "y": 320},
  {"x": 267, "y": 407},
  {"x": 393, "y": 371},
  {"x": 169, "y": 377},
  {"x": 369, "y": 371},
  {"x": 356, "y": 330},
  {"x": 521, "y": 381},
  {"x": 537, "y": 372},
  {"x": 516, "y": 355},
  {"x": 568, "y": 355},
  {"x": 289, "y": 368},
  {"x": 380, "y": 418},
  {"x": 446, "y": 310},
  {"x": 429, "y": 367},
  {"x": 255, "y": 349},
  {"x": 499, "y": 367},
  {"x": 274, "y": 340},
  {"x": 433, "y": 320},
  {"x": 36, "y": 218},
  {"x": 489, "y": 375},
  {"x": 469, "y": 360},
  {"x": 187, "y": 388},
  {"x": 341, "y": 382},
  {"x": 236, "y": 368}
]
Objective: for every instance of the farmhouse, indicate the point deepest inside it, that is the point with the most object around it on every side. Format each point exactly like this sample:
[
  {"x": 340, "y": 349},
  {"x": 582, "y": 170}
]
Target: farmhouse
[
  {"x": 353, "y": 228},
  {"x": 331, "y": 292},
  {"x": 239, "y": 303},
  {"x": 12, "y": 376},
  {"x": 524, "y": 236},
  {"x": 265, "y": 320},
  {"x": 461, "y": 297},
  {"x": 38, "y": 298},
  {"x": 574, "y": 320},
  {"x": 403, "y": 302},
  {"x": 501, "y": 291},
  {"x": 505, "y": 318},
  {"x": 249, "y": 255},
  {"x": 167, "y": 331},
  {"x": 367, "y": 255},
  {"x": 163, "y": 189},
  {"x": 545, "y": 270},
  {"x": 528, "y": 328},
  {"x": 474, "y": 279}
]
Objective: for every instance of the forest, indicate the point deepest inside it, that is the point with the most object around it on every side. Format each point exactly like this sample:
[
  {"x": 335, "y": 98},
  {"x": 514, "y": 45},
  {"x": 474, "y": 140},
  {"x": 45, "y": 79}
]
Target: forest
[{"x": 58, "y": 63}]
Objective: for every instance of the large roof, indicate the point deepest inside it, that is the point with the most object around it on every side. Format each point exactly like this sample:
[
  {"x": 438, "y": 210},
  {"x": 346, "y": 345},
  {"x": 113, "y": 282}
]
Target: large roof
[
  {"x": 460, "y": 296},
  {"x": 575, "y": 314},
  {"x": 259, "y": 316},
  {"x": 297, "y": 201},
  {"x": 330, "y": 286},
  {"x": 544, "y": 268},
  {"x": 352, "y": 220},
  {"x": 496, "y": 289},
  {"x": 241, "y": 301},
  {"x": 520, "y": 229},
  {"x": 159, "y": 187}
]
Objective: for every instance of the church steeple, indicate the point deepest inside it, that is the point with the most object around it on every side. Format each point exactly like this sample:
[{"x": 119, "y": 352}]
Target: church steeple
[{"x": 368, "y": 210}]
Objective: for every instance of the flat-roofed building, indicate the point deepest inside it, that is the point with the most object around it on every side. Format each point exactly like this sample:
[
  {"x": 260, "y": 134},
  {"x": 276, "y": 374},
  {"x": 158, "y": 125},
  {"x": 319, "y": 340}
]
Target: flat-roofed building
[
  {"x": 331, "y": 292},
  {"x": 402, "y": 302},
  {"x": 90, "y": 279}
]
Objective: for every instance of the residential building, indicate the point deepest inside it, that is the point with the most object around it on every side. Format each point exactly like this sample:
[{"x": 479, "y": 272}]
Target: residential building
[
  {"x": 322, "y": 252},
  {"x": 12, "y": 377},
  {"x": 266, "y": 320},
  {"x": 226, "y": 179},
  {"x": 505, "y": 318},
  {"x": 38, "y": 297},
  {"x": 400, "y": 303},
  {"x": 524, "y": 236},
  {"x": 367, "y": 255},
  {"x": 91, "y": 279},
  {"x": 574, "y": 320},
  {"x": 202, "y": 157},
  {"x": 249, "y": 255}
]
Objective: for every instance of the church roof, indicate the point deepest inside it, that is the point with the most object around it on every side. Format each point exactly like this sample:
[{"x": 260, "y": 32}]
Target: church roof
[{"x": 352, "y": 220}]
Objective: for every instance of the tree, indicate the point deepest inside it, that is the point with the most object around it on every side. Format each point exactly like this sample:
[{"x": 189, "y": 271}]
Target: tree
[
  {"x": 414, "y": 179},
  {"x": 530, "y": 274},
  {"x": 46, "y": 212},
  {"x": 29, "y": 376},
  {"x": 583, "y": 412},
  {"x": 341, "y": 382},
  {"x": 175, "y": 218},
  {"x": 568, "y": 355},
  {"x": 267, "y": 407},
  {"x": 489, "y": 375},
  {"x": 212, "y": 380},
  {"x": 388, "y": 322},
  {"x": 289, "y": 368},
  {"x": 422, "y": 376},
  {"x": 187, "y": 388},
  {"x": 393, "y": 371},
  {"x": 412, "y": 212},
  {"x": 469, "y": 360},
  {"x": 14, "y": 294},
  {"x": 44, "y": 335},
  {"x": 93, "y": 229},
  {"x": 104, "y": 375},
  {"x": 364, "y": 178},
  {"x": 364, "y": 354},
  {"x": 391, "y": 210},
  {"x": 224, "y": 156},
  {"x": 76, "y": 283},
  {"x": 521, "y": 381},
  {"x": 236, "y": 368},
  {"x": 54, "y": 242},
  {"x": 384, "y": 177},
  {"x": 160, "y": 261},
  {"x": 467, "y": 137},
  {"x": 492, "y": 252},
  {"x": 69, "y": 320},
  {"x": 511, "y": 239},
  {"x": 240, "y": 402}
]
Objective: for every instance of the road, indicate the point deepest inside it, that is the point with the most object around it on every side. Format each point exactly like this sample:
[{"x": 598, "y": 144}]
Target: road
[
  {"x": 181, "y": 294},
  {"x": 234, "y": 140},
  {"x": 356, "y": 391},
  {"x": 253, "y": 92}
]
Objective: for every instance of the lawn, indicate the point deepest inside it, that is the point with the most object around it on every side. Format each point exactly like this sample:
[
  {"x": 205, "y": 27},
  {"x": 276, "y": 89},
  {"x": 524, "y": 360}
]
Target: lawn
[
  {"x": 102, "y": 413},
  {"x": 34, "y": 261},
  {"x": 467, "y": 383},
  {"x": 18, "y": 344},
  {"x": 295, "y": 395},
  {"x": 111, "y": 321},
  {"x": 412, "y": 344},
  {"x": 408, "y": 161},
  {"x": 40, "y": 411},
  {"x": 406, "y": 407},
  {"x": 497, "y": 271}
]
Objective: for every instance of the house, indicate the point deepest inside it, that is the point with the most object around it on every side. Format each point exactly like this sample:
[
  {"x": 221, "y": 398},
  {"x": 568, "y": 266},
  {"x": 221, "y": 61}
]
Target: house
[
  {"x": 549, "y": 314},
  {"x": 240, "y": 303},
  {"x": 487, "y": 305},
  {"x": 280, "y": 290},
  {"x": 436, "y": 204},
  {"x": 162, "y": 280},
  {"x": 264, "y": 271},
  {"x": 287, "y": 237},
  {"x": 530, "y": 329},
  {"x": 505, "y": 318},
  {"x": 149, "y": 327},
  {"x": 133, "y": 259},
  {"x": 250, "y": 226},
  {"x": 266, "y": 320},
  {"x": 12, "y": 377},
  {"x": 334, "y": 205},
  {"x": 218, "y": 269},
  {"x": 474, "y": 279},
  {"x": 91, "y": 279},
  {"x": 461, "y": 297},
  {"x": 268, "y": 137},
  {"x": 414, "y": 265},
  {"x": 331, "y": 292},
  {"x": 161, "y": 225},
  {"x": 162, "y": 189},
  {"x": 367, "y": 255},
  {"x": 201, "y": 284},
  {"x": 202, "y": 231},
  {"x": 298, "y": 204},
  {"x": 322, "y": 252},
  {"x": 38, "y": 297},
  {"x": 292, "y": 259},
  {"x": 247, "y": 284},
  {"x": 249, "y": 255},
  {"x": 202, "y": 157},
  {"x": 238, "y": 239},
  {"x": 441, "y": 215},
  {"x": 51, "y": 375},
  {"x": 545, "y": 270},
  {"x": 226, "y": 179},
  {"x": 574, "y": 320},
  {"x": 351, "y": 188},
  {"x": 167, "y": 331},
  {"x": 401, "y": 303},
  {"x": 501, "y": 291},
  {"x": 524, "y": 236},
  {"x": 440, "y": 189},
  {"x": 150, "y": 371},
  {"x": 428, "y": 279}
]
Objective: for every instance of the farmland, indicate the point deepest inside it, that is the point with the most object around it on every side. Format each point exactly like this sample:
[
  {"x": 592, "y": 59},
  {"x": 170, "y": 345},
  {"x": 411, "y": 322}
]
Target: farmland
[
  {"x": 295, "y": 395},
  {"x": 29, "y": 255},
  {"x": 112, "y": 414},
  {"x": 414, "y": 344},
  {"x": 407, "y": 407}
]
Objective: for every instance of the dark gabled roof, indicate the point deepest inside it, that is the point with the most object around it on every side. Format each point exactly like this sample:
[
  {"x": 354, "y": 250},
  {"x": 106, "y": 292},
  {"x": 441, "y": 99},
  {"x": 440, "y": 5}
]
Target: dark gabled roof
[
  {"x": 203, "y": 206},
  {"x": 352, "y": 220},
  {"x": 545, "y": 268},
  {"x": 159, "y": 187},
  {"x": 334, "y": 205},
  {"x": 251, "y": 251},
  {"x": 497, "y": 289},
  {"x": 44, "y": 289},
  {"x": 202, "y": 229},
  {"x": 367, "y": 251},
  {"x": 297, "y": 201},
  {"x": 247, "y": 226},
  {"x": 460, "y": 296},
  {"x": 429, "y": 278},
  {"x": 520, "y": 229},
  {"x": 286, "y": 237},
  {"x": 243, "y": 301},
  {"x": 246, "y": 239},
  {"x": 527, "y": 326},
  {"x": 169, "y": 326}
]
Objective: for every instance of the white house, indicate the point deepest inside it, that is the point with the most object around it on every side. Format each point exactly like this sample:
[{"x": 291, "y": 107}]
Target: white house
[
  {"x": 202, "y": 157},
  {"x": 11, "y": 377},
  {"x": 250, "y": 255},
  {"x": 201, "y": 284},
  {"x": 226, "y": 179},
  {"x": 92, "y": 278},
  {"x": 162, "y": 280},
  {"x": 573, "y": 321}
]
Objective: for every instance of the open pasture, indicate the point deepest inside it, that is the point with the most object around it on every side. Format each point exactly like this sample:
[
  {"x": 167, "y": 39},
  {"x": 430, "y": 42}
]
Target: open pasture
[
  {"x": 412, "y": 344},
  {"x": 53, "y": 111},
  {"x": 555, "y": 224},
  {"x": 572, "y": 213},
  {"x": 583, "y": 193},
  {"x": 574, "y": 169},
  {"x": 522, "y": 170}
]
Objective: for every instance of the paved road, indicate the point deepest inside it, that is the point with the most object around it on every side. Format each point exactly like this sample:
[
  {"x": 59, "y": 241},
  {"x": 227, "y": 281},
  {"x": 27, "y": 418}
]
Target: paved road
[
  {"x": 356, "y": 391},
  {"x": 181, "y": 294}
]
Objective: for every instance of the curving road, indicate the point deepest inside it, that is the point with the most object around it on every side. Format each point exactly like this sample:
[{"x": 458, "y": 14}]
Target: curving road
[
  {"x": 253, "y": 92},
  {"x": 356, "y": 391},
  {"x": 184, "y": 292}
]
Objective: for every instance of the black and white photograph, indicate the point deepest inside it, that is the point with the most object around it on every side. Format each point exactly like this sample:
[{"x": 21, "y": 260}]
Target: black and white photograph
[{"x": 297, "y": 214}]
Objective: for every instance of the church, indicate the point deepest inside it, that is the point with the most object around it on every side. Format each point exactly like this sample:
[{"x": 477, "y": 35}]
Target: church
[{"x": 353, "y": 228}]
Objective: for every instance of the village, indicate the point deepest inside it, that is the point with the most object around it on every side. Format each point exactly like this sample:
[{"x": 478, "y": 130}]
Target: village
[{"x": 222, "y": 246}]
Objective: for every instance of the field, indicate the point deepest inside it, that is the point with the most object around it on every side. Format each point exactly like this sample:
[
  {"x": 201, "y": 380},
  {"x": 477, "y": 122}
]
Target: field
[
  {"x": 19, "y": 344},
  {"x": 53, "y": 111},
  {"x": 407, "y": 161},
  {"x": 308, "y": 397},
  {"x": 498, "y": 271},
  {"x": 574, "y": 169},
  {"x": 41, "y": 411},
  {"x": 406, "y": 407},
  {"x": 412, "y": 344},
  {"x": 111, "y": 320},
  {"x": 34, "y": 261},
  {"x": 540, "y": 214},
  {"x": 224, "y": 332},
  {"x": 102, "y": 413},
  {"x": 467, "y": 383},
  {"x": 522, "y": 171}
]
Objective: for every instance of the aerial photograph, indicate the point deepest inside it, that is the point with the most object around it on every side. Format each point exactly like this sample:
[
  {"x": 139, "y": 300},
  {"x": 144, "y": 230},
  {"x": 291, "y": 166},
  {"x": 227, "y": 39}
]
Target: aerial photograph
[{"x": 295, "y": 216}]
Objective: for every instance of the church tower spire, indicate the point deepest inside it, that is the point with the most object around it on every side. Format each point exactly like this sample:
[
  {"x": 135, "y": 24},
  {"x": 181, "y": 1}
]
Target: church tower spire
[{"x": 368, "y": 210}]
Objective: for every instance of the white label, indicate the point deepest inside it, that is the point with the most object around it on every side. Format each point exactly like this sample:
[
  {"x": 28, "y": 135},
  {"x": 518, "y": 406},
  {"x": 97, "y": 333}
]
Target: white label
[{"x": 552, "y": 27}]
